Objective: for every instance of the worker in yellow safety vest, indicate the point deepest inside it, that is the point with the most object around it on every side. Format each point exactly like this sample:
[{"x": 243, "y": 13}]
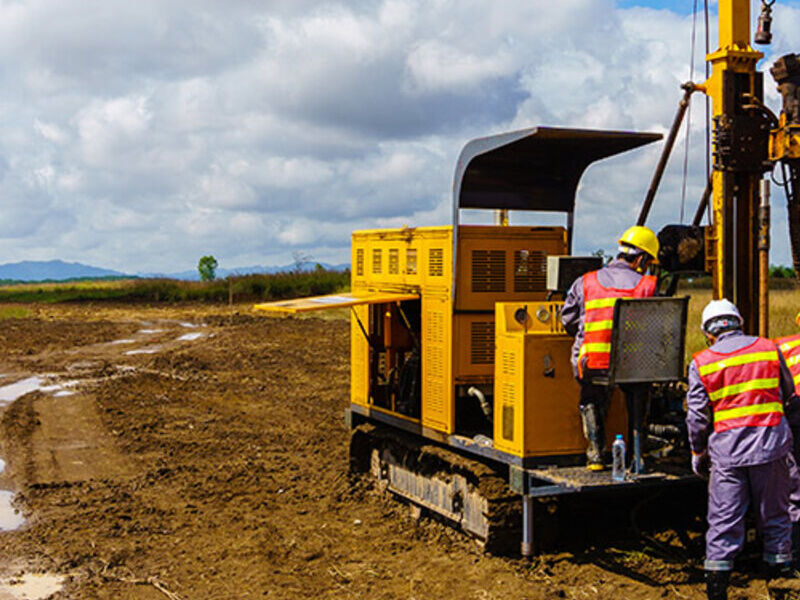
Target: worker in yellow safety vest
[{"x": 587, "y": 314}]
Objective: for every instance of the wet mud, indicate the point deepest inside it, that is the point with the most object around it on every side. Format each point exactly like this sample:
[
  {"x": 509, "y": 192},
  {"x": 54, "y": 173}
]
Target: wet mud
[{"x": 215, "y": 467}]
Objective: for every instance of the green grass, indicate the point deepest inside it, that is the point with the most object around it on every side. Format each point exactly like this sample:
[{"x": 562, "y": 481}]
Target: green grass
[
  {"x": 244, "y": 288},
  {"x": 14, "y": 312},
  {"x": 783, "y": 306}
]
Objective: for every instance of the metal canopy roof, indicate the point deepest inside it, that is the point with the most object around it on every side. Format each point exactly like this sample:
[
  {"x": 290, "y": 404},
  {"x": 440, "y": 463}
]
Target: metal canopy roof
[{"x": 534, "y": 169}]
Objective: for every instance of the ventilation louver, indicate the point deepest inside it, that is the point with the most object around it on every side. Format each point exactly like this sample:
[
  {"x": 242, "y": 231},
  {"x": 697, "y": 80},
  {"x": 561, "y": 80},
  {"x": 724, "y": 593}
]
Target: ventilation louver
[{"x": 488, "y": 271}]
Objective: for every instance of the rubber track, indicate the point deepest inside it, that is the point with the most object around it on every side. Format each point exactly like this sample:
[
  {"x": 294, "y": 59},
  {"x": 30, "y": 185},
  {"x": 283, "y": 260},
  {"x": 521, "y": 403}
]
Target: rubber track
[{"x": 504, "y": 507}]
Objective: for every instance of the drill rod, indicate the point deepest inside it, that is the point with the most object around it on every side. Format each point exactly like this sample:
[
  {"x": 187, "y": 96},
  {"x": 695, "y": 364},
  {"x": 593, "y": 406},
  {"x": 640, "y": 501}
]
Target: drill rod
[
  {"x": 701, "y": 210},
  {"x": 688, "y": 88}
]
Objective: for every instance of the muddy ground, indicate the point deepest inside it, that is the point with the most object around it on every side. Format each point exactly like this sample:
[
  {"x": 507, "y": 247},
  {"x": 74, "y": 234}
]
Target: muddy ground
[{"x": 216, "y": 468}]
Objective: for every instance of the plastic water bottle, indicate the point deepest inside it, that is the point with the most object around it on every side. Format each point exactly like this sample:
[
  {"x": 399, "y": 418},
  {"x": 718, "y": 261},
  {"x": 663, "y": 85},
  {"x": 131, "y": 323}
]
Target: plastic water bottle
[{"x": 618, "y": 459}]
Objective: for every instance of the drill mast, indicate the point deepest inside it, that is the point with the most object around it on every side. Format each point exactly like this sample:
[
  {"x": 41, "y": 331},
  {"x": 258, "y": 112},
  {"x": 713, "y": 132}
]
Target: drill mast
[{"x": 741, "y": 131}]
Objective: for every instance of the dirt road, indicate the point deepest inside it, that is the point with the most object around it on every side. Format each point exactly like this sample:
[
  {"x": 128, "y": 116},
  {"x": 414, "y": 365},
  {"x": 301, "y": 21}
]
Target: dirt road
[{"x": 185, "y": 453}]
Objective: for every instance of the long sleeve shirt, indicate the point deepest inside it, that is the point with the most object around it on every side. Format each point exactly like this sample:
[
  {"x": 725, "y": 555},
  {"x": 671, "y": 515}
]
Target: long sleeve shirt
[
  {"x": 617, "y": 274},
  {"x": 742, "y": 446}
]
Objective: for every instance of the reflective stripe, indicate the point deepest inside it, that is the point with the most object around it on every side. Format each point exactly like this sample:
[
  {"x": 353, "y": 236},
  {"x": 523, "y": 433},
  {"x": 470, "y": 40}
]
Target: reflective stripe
[
  {"x": 789, "y": 345},
  {"x": 742, "y": 359},
  {"x": 796, "y": 379},
  {"x": 746, "y": 411},
  {"x": 748, "y": 386},
  {"x": 601, "y": 303},
  {"x": 718, "y": 565},
  {"x": 792, "y": 361},
  {"x": 598, "y": 347},
  {"x": 598, "y": 325},
  {"x": 776, "y": 559}
]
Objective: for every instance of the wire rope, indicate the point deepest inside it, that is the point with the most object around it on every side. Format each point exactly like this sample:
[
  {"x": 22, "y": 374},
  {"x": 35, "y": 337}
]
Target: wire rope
[
  {"x": 708, "y": 106},
  {"x": 688, "y": 113}
]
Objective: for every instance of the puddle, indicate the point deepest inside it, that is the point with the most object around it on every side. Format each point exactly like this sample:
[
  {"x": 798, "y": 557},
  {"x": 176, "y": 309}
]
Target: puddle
[
  {"x": 127, "y": 341},
  {"x": 31, "y": 586},
  {"x": 149, "y": 331},
  {"x": 9, "y": 393},
  {"x": 59, "y": 387},
  {"x": 10, "y": 517},
  {"x": 187, "y": 337},
  {"x": 187, "y": 324},
  {"x": 2, "y": 465},
  {"x": 150, "y": 350}
]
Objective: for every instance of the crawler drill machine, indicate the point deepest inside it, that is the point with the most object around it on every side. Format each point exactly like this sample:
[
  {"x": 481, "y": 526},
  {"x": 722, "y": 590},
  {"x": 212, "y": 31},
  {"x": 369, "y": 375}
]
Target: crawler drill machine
[{"x": 462, "y": 398}]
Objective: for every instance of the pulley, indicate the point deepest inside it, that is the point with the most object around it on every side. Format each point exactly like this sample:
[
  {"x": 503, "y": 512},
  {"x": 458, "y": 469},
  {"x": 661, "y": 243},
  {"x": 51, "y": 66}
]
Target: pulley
[{"x": 764, "y": 31}]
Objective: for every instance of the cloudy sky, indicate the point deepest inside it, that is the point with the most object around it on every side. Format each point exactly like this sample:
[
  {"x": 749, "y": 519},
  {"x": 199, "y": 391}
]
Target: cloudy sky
[{"x": 139, "y": 136}]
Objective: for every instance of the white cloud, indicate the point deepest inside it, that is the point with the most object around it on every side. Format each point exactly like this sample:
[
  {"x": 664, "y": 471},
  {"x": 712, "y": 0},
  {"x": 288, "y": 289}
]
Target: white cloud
[
  {"x": 437, "y": 67},
  {"x": 140, "y": 136}
]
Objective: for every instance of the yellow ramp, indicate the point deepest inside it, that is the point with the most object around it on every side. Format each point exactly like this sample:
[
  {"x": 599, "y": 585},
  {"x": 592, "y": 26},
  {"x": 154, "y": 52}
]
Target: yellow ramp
[{"x": 312, "y": 303}]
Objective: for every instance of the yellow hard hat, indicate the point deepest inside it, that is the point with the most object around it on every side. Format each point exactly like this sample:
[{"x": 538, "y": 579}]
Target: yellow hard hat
[{"x": 642, "y": 238}]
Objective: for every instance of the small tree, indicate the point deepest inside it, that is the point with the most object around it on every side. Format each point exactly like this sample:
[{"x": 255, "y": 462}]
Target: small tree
[
  {"x": 207, "y": 267},
  {"x": 300, "y": 259}
]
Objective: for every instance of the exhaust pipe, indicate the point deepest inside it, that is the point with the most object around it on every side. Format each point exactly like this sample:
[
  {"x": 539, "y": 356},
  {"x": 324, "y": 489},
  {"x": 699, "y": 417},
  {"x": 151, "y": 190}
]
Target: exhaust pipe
[{"x": 485, "y": 406}]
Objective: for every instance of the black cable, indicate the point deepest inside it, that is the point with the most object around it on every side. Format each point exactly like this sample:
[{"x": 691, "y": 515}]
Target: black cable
[
  {"x": 364, "y": 331},
  {"x": 407, "y": 323},
  {"x": 689, "y": 114}
]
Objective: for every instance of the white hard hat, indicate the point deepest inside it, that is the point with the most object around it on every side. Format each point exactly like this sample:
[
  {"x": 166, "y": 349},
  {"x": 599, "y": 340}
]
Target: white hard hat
[{"x": 717, "y": 309}]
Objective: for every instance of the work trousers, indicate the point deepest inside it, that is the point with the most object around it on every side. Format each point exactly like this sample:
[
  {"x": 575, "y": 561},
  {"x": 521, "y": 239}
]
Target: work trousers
[
  {"x": 599, "y": 396},
  {"x": 730, "y": 491}
]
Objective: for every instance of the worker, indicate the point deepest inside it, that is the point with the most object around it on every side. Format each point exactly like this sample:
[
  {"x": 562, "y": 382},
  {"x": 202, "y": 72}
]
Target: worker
[
  {"x": 739, "y": 391},
  {"x": 790, "y": 348},
  {"x": 587, "y": 314}
]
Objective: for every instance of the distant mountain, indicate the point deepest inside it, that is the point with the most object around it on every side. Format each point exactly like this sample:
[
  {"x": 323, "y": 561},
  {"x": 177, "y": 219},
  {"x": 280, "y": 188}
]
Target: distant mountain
[
  {"x": 34, "y": 270},
  {"x": 58, "y": 270}
]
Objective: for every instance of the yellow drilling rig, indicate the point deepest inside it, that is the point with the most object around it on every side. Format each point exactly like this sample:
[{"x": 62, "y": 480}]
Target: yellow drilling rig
[{"x": 462, "y": 396}]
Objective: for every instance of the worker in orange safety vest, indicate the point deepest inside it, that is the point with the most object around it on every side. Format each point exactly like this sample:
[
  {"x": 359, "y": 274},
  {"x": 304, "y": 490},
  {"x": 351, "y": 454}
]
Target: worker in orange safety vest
[
  {"x": 739, "y": 403},
  {"x": 790, "y": 348},
  {"x": 587, "y": 315}
]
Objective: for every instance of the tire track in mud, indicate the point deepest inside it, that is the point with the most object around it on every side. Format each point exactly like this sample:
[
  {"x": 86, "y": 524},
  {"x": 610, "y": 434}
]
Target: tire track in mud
[{"x": 56, "y": 435}]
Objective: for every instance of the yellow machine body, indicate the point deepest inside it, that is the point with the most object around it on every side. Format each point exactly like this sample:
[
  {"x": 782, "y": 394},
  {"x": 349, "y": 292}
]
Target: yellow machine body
[
  {"x": 458, "y": 326},
  {"x": 536, "y": 395}
]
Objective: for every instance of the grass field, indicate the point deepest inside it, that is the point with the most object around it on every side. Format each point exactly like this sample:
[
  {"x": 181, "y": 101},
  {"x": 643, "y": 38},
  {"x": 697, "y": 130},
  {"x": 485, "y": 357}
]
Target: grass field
[
  {"x": 245, "y": 287},
  {"x": 14, "y": 312},
  {"x": 784, "y": 305}
]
